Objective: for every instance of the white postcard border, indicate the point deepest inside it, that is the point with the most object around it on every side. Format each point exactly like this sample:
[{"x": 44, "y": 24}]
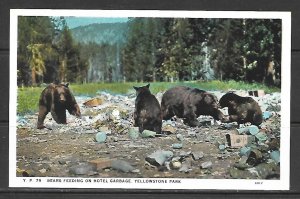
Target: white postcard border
[{"x": 159, "y": 183}]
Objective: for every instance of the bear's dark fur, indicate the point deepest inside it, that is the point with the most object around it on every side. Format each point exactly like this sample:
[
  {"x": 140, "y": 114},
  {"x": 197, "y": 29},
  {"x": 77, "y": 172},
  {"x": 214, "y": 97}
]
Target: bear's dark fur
[
  {"x": 241, "y": 109},
  {"x": 147, "y": 114},
  {"x": 189, "y": 103},
  {"x": 56, "y": 98}
]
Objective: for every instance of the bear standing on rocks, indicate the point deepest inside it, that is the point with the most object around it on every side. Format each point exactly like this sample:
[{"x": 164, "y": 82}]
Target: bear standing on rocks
[
  {"x": 241, "y": 109},
  {"x": 189, "y": 103},
  {"x": 147, "y": 113},
  {"x": 56, "y": 98}
]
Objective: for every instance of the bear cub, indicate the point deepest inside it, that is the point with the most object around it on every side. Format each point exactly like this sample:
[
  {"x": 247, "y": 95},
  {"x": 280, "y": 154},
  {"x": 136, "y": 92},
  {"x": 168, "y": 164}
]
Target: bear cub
[
  {"x": 241, "y": 109},
  {"x": 188, "y": 103},
  {"x": 56, "y": 98},
  {"x": 147, "y": 113}
]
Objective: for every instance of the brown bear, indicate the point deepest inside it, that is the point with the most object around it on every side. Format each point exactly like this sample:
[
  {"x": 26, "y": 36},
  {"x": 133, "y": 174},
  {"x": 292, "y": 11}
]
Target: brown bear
[
  {"x": 241, "y": 109},
  {"x": 56, "y": 98},
  {"x": 147, "y": 113},
  {"x": 189, "y": 103}
]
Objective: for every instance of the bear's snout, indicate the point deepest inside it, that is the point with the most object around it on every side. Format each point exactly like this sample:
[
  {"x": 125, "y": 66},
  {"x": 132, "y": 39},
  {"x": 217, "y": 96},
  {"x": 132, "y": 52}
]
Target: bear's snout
[{"x": 62, "y": 98}]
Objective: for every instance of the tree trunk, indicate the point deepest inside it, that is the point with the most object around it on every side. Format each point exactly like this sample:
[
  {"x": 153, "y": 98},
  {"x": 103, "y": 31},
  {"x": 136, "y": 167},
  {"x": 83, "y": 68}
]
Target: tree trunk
[{"x": 33, "y": 77}]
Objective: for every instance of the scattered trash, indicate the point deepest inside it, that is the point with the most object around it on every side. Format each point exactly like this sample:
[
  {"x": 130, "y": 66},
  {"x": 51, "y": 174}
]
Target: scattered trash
[
  {"x": 133, "y": 133},
  {"x": 102, "y": 163},
  {"x": 222, "y": 147},
  {"x": 237, "y": 141},
  {"x": 261, "y": 136},
  {"x": 148, "y": 134},
  {"x": 175, "y": 165},
  {"x": 267, "y": 115},
  {"x": 245, "y": 151},
  {"x": 168, "y": 129},
  {"x": 101, "y": 137},
  {"x": 275, "y": 155},
  {"x": 177, "y": 145},
  {"x": 192, "y": 134},
  {"x": 253, "y": 130},
  {"x": 115, "y": 115},
  {"x": 257, "y": 93},
  {"x": 179, "y": 137},
  {"x": 253, "y": 153},
  {"x": 93, "y": 102}
]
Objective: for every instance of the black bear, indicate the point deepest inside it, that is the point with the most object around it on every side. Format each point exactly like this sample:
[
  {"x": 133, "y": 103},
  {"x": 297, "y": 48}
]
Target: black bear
[
  {"x": 147, "y": 113},
  {"x": 189, "y": 103},
  {"x": 56, "y": 98},
  {"x": 241, "y": 109}
]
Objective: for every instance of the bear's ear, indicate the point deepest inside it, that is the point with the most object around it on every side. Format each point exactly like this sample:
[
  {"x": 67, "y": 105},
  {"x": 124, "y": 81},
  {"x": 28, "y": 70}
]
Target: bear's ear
[
  {"x": 67, "y": 85},
  {"x": 136, "y": 88},
  {"x": 148, "y": 85}
]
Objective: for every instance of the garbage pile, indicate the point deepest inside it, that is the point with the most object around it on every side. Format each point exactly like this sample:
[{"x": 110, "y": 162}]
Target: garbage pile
[{"x": 247, "y": 151}]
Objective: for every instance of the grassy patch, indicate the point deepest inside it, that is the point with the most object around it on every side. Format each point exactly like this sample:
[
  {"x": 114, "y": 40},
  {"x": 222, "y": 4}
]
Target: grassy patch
[{"x": 28, "y": 97}]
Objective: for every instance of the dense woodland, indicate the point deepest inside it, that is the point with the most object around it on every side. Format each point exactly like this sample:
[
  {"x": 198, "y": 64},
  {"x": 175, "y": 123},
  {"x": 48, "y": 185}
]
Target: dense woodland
[{"x": 149, "y": 49}]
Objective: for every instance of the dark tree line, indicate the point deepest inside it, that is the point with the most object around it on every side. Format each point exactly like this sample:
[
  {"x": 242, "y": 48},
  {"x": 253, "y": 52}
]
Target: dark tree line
[
  {"x": 155, "y": 49},
  {"x": 47, "y": 52},
  {"x": 192, "y": 49}
]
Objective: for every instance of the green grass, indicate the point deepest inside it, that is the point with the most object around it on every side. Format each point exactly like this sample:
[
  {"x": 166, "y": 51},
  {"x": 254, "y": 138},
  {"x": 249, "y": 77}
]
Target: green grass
[{"x": 28, "y": 97}]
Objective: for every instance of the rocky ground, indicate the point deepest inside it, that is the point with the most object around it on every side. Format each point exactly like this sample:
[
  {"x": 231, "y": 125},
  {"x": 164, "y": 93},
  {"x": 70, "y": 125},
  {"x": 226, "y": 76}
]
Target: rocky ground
[{"x": 103, "y": 143}]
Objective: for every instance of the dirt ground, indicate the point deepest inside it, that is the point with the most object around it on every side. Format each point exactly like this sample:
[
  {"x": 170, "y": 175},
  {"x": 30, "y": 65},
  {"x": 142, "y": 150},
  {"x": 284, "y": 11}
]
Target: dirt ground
[{"x": 54, "y": 152}]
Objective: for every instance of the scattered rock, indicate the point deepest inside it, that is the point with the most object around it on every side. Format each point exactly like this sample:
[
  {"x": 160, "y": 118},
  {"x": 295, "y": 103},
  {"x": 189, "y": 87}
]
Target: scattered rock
[
  {"x": 192, "y": 134},
  {"x": 158, "y": 158},
  {"x": 206, "y": 165},
  {"x": 185, "y": 167},
  {"x": 264, "y": 170},
  {"x": 254, "y": 157},
  {"x": 122, "y": 165},
  {"x": 28, "y": 173},
  {"x": 184, "y": 154},
  {"x": 241, "y": 174},
  {"x": 83, "y": 169},
  {"x": 197, "y": 155}
]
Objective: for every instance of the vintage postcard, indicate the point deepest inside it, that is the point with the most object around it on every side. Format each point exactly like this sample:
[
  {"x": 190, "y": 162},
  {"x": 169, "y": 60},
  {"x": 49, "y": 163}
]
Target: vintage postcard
[{"x": 148, "y": 99}]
